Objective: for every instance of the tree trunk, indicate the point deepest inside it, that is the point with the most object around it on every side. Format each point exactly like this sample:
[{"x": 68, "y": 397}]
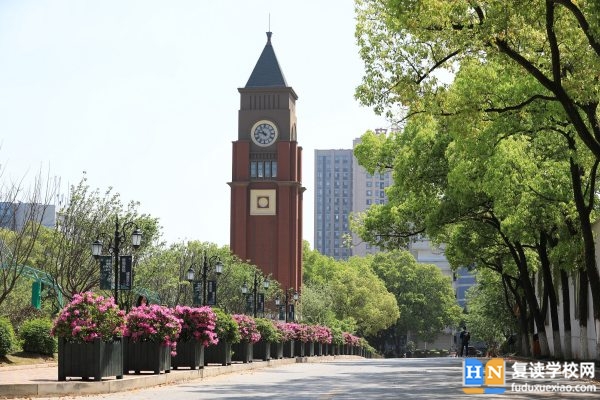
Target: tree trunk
[
  {"x": 566, "y": 303},
  {"x": 583, "y": 315},
  {"x": 521, "y": 314},
  {"x": 549, "y": 288},
  {"x": 538, "y": 317},
  {"x": 589, "y": 250}
]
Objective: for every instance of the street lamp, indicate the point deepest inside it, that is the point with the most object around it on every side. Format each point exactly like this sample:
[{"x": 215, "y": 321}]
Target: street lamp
[
  {"x": 114, "y": 247},
  {"x": 255, "y": 294},
  {"x": 207, "y": 264},
  {"x": 289, "y": 308}
]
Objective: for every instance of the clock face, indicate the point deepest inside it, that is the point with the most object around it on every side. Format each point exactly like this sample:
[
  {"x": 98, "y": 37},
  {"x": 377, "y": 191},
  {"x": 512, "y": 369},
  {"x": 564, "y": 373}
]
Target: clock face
[{"x": 264, "y": 133}]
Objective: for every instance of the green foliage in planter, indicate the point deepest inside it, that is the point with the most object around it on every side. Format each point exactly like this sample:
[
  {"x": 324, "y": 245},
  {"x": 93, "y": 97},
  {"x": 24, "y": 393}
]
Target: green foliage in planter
[
  {"x": 7, "y": 336},
  {"x": 337, "y": 336},
  {"x": 268, "y": 332},
  {"x": 37, "y": 337},
  {"x": 226, "y": 327}
]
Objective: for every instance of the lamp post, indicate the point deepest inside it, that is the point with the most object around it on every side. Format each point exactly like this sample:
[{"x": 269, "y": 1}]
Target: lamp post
[
  {"x": 289, "y": 311},
  {"x": 207, "y": 265},
  {"x": 255, "y": 293},
  {"x": 114, "y": 247}
]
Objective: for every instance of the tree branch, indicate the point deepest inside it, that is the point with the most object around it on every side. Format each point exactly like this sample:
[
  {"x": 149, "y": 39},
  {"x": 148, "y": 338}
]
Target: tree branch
[
  {"x": 554, "y": 50},
  {"x": 522, "y": 104},
  {"x": 585, "y": 26}
]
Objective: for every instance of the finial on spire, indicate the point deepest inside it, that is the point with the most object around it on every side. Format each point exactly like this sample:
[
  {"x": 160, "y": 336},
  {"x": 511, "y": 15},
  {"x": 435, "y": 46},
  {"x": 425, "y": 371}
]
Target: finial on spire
[{"x": 269, "y": 37}]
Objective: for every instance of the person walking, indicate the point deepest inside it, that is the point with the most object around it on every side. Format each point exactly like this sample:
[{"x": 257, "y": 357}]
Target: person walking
[
  {"x": 466, "y": 336},
  {"x": 464, "y": 342}
]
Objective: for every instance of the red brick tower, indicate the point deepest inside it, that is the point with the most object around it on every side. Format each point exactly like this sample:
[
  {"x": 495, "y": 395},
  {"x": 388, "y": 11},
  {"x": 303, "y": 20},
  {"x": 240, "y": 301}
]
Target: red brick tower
[{"x": 266, "y": 188}]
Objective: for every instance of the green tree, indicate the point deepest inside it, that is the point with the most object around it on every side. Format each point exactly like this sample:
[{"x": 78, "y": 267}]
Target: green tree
[
  {"x": 534, "y": 65},
  {"x": 490, "y": 316},
  {"x": 65, "y": 252},
  {"x": 348, "y": 292},
  {"x": 164, "y": 271},
  {"x": 424, "y": 294},
  {"x": 22, "y": 211}
]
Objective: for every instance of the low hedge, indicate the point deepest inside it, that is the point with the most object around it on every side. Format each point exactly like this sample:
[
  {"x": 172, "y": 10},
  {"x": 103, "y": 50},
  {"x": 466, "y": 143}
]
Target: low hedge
[{"x": 37, "y": 338}]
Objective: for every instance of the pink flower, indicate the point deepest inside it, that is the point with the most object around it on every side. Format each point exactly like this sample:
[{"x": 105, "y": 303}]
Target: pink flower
[
  {"x": 247, "y": 328},
  {"x": 198, "y": 324},
  {"x": 153, "y": 323},
  {"x": 88, "y": 317}
]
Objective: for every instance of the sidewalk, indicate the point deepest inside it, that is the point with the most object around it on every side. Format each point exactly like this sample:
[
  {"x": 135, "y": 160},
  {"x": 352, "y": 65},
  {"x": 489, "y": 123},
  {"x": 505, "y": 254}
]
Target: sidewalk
[{"x": 42, "y": 379}]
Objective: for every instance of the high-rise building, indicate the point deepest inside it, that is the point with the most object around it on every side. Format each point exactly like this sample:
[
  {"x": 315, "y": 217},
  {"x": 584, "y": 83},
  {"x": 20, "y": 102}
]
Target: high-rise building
[
  {"x": 343, "y": 187},
  {"x": 333, "y": 202},
  {"x": 368, "y": 190},
  {"x": 14, "y": 216}
]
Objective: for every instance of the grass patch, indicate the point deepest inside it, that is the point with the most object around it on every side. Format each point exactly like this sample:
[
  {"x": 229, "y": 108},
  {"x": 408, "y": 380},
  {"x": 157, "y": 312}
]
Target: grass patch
[{"x": 23, "y": 358}]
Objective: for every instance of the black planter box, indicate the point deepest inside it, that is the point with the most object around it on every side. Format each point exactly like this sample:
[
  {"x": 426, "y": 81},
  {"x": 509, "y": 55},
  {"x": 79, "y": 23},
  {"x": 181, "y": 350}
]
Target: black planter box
[
  {"x": 95, "y": 359},
  {"x": 189, "y": 354},
  {"x": 309, "y": 349},
  {"x": 146, "y": 356},
  {"x": 262, "y": 351},
  {"x": 218, "y": 354},
  {"x": 318, "y": 349},
  {"x": 288, "y": 349},
  {"x": 277, "y": 350},
  {"x": 242, "y": 352},
  {"x": 300, "y": 348}
]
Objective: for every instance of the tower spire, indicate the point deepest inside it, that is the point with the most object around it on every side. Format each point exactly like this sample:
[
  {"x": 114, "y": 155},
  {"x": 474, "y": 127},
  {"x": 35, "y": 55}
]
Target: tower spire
[{"x": 267, "y": 72}]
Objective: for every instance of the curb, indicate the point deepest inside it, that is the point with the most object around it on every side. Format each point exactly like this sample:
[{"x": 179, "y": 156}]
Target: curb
[{"x": 131, "y": 382}]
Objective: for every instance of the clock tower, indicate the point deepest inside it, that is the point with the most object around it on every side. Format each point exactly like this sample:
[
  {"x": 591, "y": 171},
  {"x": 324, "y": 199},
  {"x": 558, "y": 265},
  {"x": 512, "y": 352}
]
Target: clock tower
[{"x": 266, "y": 188}]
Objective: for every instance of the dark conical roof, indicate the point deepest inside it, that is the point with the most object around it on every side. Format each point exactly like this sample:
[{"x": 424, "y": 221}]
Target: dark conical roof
[{"x": 267, "y": 71}]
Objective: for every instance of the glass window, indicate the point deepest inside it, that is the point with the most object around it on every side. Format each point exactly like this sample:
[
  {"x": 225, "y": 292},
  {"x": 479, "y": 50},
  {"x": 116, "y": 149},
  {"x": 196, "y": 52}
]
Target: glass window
[
  {"x": 274, "y": 169},
  {"x": 369, "y": 183},
  {"x": 369, "y": 193},
  {"x": 253, "y": 169},
  {"x": 261, "y": 172},
  {"x": 267, "y": 169}
]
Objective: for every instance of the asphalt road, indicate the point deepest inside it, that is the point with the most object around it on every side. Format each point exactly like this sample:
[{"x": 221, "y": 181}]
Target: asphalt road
[{"x": 430, "y": 378}]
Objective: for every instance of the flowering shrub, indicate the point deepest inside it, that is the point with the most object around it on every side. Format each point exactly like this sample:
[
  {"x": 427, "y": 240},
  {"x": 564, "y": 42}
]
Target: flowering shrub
[
  {"x": 197, "y": 323},
  {"x": 247, "y": 327},
  {"x": 301, "y": 332},
  {"x": 286, "y": 330},
  {"x": 153, "y": 324},
  {"x": 323, "y": 334},
  {"x": 88, "y": 317},
  {"x": 351, "y": 339}
]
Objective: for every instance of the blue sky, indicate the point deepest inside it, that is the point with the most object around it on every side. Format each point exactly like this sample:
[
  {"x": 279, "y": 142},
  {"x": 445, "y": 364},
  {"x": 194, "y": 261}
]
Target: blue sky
[{"x": 142, "y": 95}]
